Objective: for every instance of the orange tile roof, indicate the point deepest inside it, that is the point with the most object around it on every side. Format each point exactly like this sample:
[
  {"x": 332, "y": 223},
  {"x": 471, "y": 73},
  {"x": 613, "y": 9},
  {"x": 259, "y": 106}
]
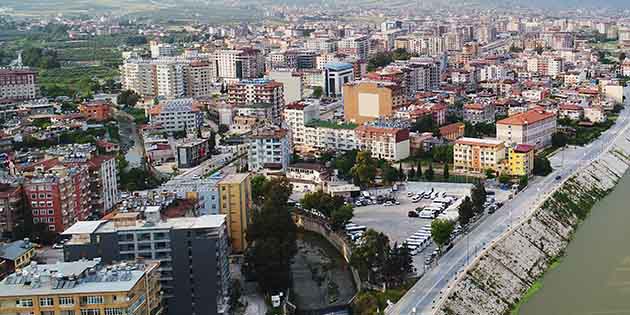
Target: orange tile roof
[{"x": 528, "y": 117}]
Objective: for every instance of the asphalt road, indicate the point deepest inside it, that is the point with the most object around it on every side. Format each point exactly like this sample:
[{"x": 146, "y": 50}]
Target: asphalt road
[{"x": 426, "y": 293}]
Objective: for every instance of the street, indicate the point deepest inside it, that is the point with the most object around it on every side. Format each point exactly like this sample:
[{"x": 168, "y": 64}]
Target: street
[{"x": 423, "y": 297}]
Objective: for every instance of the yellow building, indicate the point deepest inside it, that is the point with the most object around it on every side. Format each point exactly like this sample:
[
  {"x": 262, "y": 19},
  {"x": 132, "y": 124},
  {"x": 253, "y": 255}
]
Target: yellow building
[
  {"x": 16, "y": 255},
  {"x": 477, "y": 155},
  {"x": 521, "y": 160},
  {"x": 83, "y": 287},
  {"x": 235, "y": 199}
]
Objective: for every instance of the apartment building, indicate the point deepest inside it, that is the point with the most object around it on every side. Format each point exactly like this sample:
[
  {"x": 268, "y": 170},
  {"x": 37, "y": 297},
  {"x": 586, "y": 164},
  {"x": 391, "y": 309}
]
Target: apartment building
[
  {"x": 369, "y": 100},
  {"x": 200, "y": 77},
  {"x": 140, "y": 76},
  {"x": 171, "y": 78},
  {"x": 235, "y": 199},
  {"x": 292, "y": 83},
  {"x": 15, "y": 255},
  {"x": 452, "y": 132},
  {"x": 192, "y": 251},
  {"x": 391, "y": 144},
  {"x": 237, "y": 64},
  {"x": 85, "y": 287},
  {"x": 13, "y": 206},
  {"x": 297, "y": 115},
  {"x": 96, "y": 110},
  {"x": 182, "y": 114},
  {"x": 255, "y": 91},
  {"x": 269, "y": 148},
  {"x": 533, "y": 127},
  {"x": 320, "y": 136},
  {"x": 102, "y": 179},
  {"x": 307, "y": 177},
  {"x": 336, "y": 75},
  {"x": 357, "y": 46},
  {"x": 59, "y": 196},
  {"x": 476, "y": 113},
  {"x": 478, "y": 155},
  {"x": 18, "y": 84},
  {"x": 204, "y": 191},
  {"x": 521, "y": 160},
  {"x": 191, "y": 152}
]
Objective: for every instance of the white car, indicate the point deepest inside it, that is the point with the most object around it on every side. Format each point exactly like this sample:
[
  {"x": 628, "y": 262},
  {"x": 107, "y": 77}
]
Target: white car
[
  {"x": 57, "y": 246},
  {"x": 397, "y": 202},
  {"x": 389, "y": 203}
]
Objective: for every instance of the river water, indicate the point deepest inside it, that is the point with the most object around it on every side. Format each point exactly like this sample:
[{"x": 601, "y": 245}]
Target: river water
[{"x": 594, "y": 276}]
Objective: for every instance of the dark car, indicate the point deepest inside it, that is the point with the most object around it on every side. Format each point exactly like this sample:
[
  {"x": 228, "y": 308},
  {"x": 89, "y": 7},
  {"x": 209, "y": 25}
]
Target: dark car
[
  {"x": 558, "y": 177},
  {"x": 412, "y": 214}
]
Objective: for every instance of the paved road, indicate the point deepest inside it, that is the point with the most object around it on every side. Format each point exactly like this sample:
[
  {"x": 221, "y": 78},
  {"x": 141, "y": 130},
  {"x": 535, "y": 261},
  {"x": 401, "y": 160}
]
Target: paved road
[
  {"x": 425, "y": 294},
  {"x": 206, "y": 166}
]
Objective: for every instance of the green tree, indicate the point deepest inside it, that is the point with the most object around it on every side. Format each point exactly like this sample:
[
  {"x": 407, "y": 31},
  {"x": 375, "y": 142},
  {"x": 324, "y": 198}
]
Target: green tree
[
  {"x": 322, "y": 202},
  {"x": 411, "y": 174},
  {"x": 272, "y": 238},
  {"x": 258, "y": 184},
  {"x": 419, "y": 171},
  {"x": 364, "y": 170},
  {"x": 542, "y": 166},
  {"x": 390, "y": 174},
  {"x": 465, "y": 211},
  {"x": 490, "y": 173},
  {"x": 429, "y": 174},
  {"x": 445, "y": 173},
  {"x": 398, "y": 266},
  {"x": 559, "y": 139},
  {"x": 343, "y": 163},
  {"x": 441, "y": 230},
  {"x": 522, "y": 182},
  {"x": 442, "y": 153},
  {"x": 370, "y": 256},
  {"x": 423, "y": 124},
  {"x": 128, "y": 97},
  {"x": 504, "y": 178},
  {"x": 478, "y": 196},
  {"x": 341, "y": 216},
  {"x": 318, "y": 91},
  {"x": 401, "y": 173},
  {"x": 622, "y": 56}
]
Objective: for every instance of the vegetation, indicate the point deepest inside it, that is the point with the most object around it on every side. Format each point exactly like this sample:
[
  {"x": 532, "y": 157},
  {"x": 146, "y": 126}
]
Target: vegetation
[
  {"x": 542, "y": 166},
  {"x": 367, "y": 302},
  {"x": 258, "y": 183},
  {"x": 466, "y": 211},
  {"x": 441, "y": 230},
  {"x": 333, "y": 207},
  {"x": 364, "y": 170},
  {"x": 383, "y": 59},
  {"x": 138, "y": 114},
  {"x": 272, "y": 236},
  {"x": 480, "y": 130},
  {"x": 478, "y": 197},
  {"x": 128, "y": 97},
  {"x": 377, "y": 262}
]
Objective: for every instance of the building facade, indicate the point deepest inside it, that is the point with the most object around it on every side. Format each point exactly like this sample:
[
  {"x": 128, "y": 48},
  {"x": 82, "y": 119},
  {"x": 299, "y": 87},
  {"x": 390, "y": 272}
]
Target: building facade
[
  {"x": 183, "y": 114},
  {"x": 391, "y": 144},
  {"x": 365, "y": 101},
  {"x": 533, "y": 127},
  {"x": 18, "y": 84},
  {"x": 269, "y": 148},
  {"x": 235, "y": 199},
  {"x": 478, "y": 155},
  {"x": 521, "y": 160},
  {"x": 255, "y": 91}
]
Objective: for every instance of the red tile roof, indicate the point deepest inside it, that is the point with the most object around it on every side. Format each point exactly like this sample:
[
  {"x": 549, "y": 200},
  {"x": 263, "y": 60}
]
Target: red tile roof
[{"x": 528, "y": 117}]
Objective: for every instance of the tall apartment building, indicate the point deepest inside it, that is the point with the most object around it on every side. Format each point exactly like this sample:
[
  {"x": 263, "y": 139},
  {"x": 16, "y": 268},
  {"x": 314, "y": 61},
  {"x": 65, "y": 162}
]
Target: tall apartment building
[
  {"x": 13, "y": 206},
  {"x": 161, "y": 49},
  {"x": 102, "y": 178},
  {"x": 18, "y": 84},
  {"x": 255, "y": 91},
  {"x": 322, "y": 136},
  {"x": 235, "y": 200},
  {"x": 192, "y": 251},
  {"x": 140, "y": 76},
  {"x": 296, "y": 116},
  {"x": 476, "y": 113},
  {"x": 292, "y": 82},
  {"x": 269, "y": 148},
  {"x": 203, "y": 190},
  {"x": 391, "y": 144},
  {"x": 369, "y": 100},
  {"x": 521, "y": 160},
  {"x": 183, "y": 114},
  {"x": 335, "y": 76},
  {"x": 534, "y": 127},
  {"x": 58, "y": 197},
  {"x": 478, "y": 155},
  {"x": 85, "y": 287},
  {"x": 200, "y": 76},
  {"x": 233, "y": 65},
  {"x": 357, "y": 46},
  {"x": 171, "y": 79}
]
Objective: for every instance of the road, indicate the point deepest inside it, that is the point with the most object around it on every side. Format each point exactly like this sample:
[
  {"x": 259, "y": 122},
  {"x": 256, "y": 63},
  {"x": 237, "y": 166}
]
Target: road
[
  {"x": 206, "y": 166},
  {"x": 427, "y": 292}
]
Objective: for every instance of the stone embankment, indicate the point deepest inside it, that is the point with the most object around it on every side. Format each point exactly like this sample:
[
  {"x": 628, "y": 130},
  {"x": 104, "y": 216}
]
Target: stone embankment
[{"x": 496, "y": 281}]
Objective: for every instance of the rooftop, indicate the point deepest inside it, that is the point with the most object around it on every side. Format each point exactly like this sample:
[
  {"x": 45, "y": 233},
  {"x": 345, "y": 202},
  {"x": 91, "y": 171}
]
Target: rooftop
[
  {"x": 234, "y": 178},
  {"x": 338, "y": 66},
  {"x": 201, "y": 222},
  {"x": 331, "y": 124},
  {"x": 478, "y": 142},
  {"x": 528, "y": 117},
  {"x": 78, "y": 277},
  {"x": 13, "y": 250}
]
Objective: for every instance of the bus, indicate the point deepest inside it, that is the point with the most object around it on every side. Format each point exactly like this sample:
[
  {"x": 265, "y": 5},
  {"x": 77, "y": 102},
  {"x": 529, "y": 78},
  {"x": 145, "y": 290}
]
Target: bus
[{"x": 355, "y": 229}]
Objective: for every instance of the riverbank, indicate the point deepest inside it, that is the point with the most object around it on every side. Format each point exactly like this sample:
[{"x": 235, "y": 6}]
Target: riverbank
[{"x": 501, "y": 276}]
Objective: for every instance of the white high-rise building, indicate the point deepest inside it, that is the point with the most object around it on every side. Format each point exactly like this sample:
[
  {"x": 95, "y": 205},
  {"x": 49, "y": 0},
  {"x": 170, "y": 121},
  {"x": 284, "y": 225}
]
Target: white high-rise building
[
  {"x": 357, "y": 46},
  {"x": 233, "y": 65}
]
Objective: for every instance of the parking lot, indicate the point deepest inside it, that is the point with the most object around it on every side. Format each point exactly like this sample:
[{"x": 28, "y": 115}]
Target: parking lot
[{"x": 393, "y": 220}]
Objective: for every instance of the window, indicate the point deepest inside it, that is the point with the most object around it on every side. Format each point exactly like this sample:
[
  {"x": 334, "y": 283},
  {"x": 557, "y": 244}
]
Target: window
[
  {"x": 91, "y": 311},
  {"x": 115, "y": 311},
  {"x": 24, "y": 303},
  {"x": 51, "y": 220},
  {"x": 67, "y": 312},
  {"x": 35, "y": 212},
  {"x": 92, "y": 299},
  {"x": 66, "y": 300},
  {"x": 47, "y": 313},
  {"x": 51, "y": 212},
  {"x": 51, "y": 228},
  {"x": 46, "y": 301}
]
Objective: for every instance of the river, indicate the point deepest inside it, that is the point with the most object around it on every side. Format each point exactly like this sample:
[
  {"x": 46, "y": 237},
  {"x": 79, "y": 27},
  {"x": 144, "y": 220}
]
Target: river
[{"x": 594, "y": 276}]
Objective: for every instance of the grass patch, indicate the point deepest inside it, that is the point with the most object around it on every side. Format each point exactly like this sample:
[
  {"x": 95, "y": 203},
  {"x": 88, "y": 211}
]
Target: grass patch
[{"x": 536, "y": 286}]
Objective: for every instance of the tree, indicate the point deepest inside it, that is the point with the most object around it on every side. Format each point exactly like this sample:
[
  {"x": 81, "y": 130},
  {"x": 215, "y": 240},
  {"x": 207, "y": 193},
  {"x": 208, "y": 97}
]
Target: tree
[
  {"x": 390, "y": 174},
  {"x": 504, "y": 178},
  {"x": 478, "y": 196},
  {"x": 542, "y": 166},
  {"x": 622, "y": 57},
  {"x": 370, "y": 256},
  {"x": 522, "y": 182},
  {"x": 272, "y": 238},
  {"x": 344, "y": 163},
  {"x": 559, "y": 139},
  {"x": 490, "y": 173},
  {"x": 423, "y": 124},
  {"x": 429, "y": 174},
  {"x": 128, "y": 97},
  {"x": 318, "y": 91},
  {"x": 441, "y": 230},
  {"x": 364, "y": 170},
  {"x": 465, "y": 211},
  {"x": 401, "y": 173},
  {"x": 397, "y": 266},
  {"x": 442, "y": 153},
  {"x": 411, "y": 174},
  {"x": 341, "y": 216},
  {"x": 445, "y": 173},
  {"x": 419, "y": 172},
  {"x": 322, "y": 202},
  {"x": 258, "y": 184}
]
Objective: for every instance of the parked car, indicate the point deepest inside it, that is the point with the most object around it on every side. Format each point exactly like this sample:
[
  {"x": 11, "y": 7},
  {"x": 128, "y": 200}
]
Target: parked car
[
  {"x": 412, "y": 214},
  {"x": 57, "y": 246},
  {"x": 389, "y": 203}
]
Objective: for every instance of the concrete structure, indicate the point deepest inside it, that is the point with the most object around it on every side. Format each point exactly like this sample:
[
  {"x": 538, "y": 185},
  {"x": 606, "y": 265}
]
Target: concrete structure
[
  {"x": 203, "y": 191},
  {"x": 478, "y": 155},
  {"x": 533, "y": 127},
  {"x": 235, "y": 199},
  {"x": 357, "y": 46},
  {"x": 365, "y": 101},
  {"x": 297, "y": 116},
  {"x": 595, "y": 114},
  {"x": 83, "y": 287},
  {"x": 183, "y": 114},
  {"x": 12, "y": 202},
  {"x": 191, "y": 152},
  {"x": 254, "y": 91},
  {"x": 391, "y": 144},
  {"x": 307, "y": 177},
  {"x": 269, "y": 148},
  {"x": 234, "y": 65},
  {"x": 193, "y": 255},
  {"x": 161, "y": 49},
  {"x": 452, "y": 131},
  {"x": 18, "y": 84},
  {"x": 335, "y": 76},
  {"x": 476, "y": 113},
  {"x": 322, "y": 135},
  {"x": 521, "y": 160},
  {"x": 139, "y": 76},
  {"x": 171, "y": 78},
  {"x": 292, "y": 84},
  {"x": 14, "y": 256},
  {"x": 96, "y": 110}
]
